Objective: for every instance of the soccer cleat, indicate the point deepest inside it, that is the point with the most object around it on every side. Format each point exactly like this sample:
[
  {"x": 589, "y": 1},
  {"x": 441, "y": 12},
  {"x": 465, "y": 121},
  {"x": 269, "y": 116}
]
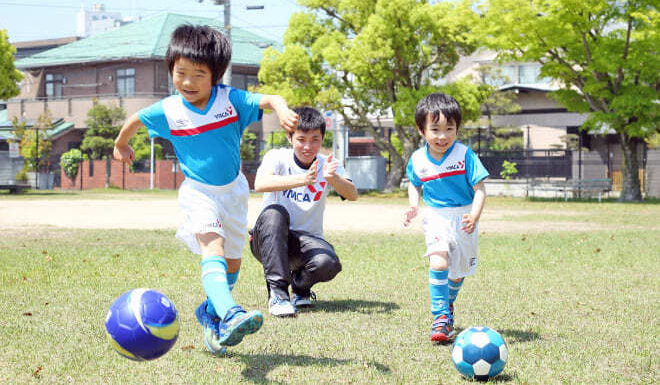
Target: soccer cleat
[
  {"x": 302, "y": 301},
  {"x": 279, "y": 307},
  {"x": 237, "y": 324},
  {"x": 442, "y": 330},
  {"x": 210, "y": 327}
]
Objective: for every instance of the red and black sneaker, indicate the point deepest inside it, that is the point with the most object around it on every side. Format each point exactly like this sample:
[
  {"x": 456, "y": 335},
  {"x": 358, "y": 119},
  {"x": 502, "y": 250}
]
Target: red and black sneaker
[{"x": 442, "y": 329}]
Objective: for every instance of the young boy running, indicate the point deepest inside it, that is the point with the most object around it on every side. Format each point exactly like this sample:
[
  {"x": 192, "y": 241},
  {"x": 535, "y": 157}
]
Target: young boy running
[
  {"x": 287, "y": 237},
  {"x": 450, "y": 177},
  {"x": 205, "y": 122}
]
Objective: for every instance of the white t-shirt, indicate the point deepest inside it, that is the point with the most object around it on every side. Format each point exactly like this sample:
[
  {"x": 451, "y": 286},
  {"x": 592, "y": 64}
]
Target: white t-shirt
[{"x": 305, "y": 204}]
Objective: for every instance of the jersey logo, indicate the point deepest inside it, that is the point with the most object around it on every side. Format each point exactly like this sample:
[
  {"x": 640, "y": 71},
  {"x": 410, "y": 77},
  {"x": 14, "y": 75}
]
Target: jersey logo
[
  {"x": 314, "y": 191},
  {"x": 306, "y": 196},
  {"x": 457, "y": 168}
]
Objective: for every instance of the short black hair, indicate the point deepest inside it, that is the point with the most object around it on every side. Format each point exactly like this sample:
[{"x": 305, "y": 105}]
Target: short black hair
[
  {"x": 436, "y": 104},
  {"x": 309, "y": 119},
  {"x": 200, "y": 44}
]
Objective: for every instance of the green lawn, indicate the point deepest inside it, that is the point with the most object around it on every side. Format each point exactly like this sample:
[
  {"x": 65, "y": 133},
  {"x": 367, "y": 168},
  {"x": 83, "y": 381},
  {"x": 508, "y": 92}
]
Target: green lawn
[{"x": 573, "y": 308}]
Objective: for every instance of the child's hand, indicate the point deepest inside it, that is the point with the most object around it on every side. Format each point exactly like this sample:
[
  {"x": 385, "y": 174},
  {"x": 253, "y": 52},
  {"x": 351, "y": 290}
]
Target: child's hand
[
  {"x": 330, "y": 168},
  {"x": 124, "y": 154},
  {"x": 409, "y": 215},
  {"x": 312, "y": 172},
  {"x": 288, "y": 119},
  {"x": 469, "y": 223}
]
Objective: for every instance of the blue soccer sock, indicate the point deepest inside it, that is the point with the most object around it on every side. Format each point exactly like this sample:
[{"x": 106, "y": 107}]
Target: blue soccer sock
[
  {"x": 454, "y": 287},
  {"x": 216, "y": 285},
  {"x": 439, "y": 291},
  {"x": 231, "y": 281}
]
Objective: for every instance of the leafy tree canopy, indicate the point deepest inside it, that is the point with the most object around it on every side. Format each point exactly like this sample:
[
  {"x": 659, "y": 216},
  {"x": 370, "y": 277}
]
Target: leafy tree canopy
[
  {"x": 9, "y": 75},
  {"x": 603, "y": 55}
]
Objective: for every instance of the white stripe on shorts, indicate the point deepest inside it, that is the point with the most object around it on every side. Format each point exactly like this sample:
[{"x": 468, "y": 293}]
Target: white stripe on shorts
[{"x": 433, "y": 281}]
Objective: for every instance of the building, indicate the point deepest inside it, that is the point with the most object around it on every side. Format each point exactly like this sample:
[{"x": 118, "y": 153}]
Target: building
[{"x": 124, "y": 66}]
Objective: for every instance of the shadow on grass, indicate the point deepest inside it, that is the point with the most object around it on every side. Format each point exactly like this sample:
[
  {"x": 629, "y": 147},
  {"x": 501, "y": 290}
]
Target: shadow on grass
[
  {"x": 518, "y": 336},
  {"x": 259, "y": 365},
  {"x": 354, "y": 305}
]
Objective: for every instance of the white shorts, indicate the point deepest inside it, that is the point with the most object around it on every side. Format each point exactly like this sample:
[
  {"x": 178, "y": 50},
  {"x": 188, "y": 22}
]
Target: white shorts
[
  {"x": 442, "y": 230},
  {"x": 215, "y": 209}
]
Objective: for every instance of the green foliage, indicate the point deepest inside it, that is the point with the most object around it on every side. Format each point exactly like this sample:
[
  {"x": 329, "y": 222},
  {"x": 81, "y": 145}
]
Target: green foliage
[
  {"x": 248, "y": 145},
  {"x": 9, "y": 75},
  {"x": 103, "y": 124},
  {"x": 276, "y": 139},
  {"x": 327, "y": 139},
  {"x": 70, "y": 161},
  {"x": 508, "y": 169},
  {"x": 21, "y": 176},
  {"x": 34, "y": 144},
  {"x": 506, "y": 138},
  {"x": 365, "y": 58},
  {"x": 603, "y": 55},
  {"x": 141, "y": 144},
  {"x": 653, "y": 141}
]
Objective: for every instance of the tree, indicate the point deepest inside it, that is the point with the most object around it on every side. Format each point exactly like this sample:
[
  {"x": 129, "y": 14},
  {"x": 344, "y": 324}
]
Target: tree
[
  {"x": 33, "y": 142},
  {"x": 602, "y": 53},
  {"x": 367, "y": 58},
  {"x": 103, "y": 124},
  {"x": 9, "y": 75}
]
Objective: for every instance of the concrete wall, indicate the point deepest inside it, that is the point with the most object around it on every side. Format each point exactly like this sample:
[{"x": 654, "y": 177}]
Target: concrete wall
[
  {"x": 122, "y": 177},
  {"x": 652, "y": 186}
]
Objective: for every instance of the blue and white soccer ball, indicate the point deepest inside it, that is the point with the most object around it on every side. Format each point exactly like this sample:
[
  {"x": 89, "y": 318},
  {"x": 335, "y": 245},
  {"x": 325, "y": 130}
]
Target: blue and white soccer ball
[
  {"x": 142, "y": 324},
  {"x": 479, "y": 352}
]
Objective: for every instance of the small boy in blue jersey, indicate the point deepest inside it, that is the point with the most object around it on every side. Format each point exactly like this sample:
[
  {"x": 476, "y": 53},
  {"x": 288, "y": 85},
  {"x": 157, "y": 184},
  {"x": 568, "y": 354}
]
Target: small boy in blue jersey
[
  {"x": 205, "y": 122},
  {"x": 450, "y": 177}
]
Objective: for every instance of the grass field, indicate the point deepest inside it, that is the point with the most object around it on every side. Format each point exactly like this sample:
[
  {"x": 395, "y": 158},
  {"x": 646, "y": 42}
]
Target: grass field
[{"x": 574, "y": 307}]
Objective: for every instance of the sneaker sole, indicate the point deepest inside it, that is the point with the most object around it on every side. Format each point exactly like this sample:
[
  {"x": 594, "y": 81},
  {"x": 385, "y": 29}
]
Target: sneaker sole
[
  {"x": 248, "y": 325},
  {"x": 442, "y": 337}
]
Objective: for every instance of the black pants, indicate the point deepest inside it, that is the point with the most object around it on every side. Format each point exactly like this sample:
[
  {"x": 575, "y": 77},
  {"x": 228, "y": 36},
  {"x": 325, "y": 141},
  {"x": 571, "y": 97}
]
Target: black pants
[{"x": 290, "y": 257}]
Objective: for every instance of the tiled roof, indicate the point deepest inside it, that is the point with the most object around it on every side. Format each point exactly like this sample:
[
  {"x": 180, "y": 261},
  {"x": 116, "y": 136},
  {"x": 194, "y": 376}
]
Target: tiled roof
[{"x": 144, "y": 39}]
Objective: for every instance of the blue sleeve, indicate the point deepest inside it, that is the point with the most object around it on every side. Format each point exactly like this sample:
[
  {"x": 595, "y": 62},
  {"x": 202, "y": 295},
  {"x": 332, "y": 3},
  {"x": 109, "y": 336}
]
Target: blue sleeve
[
  {"x": 153, "y": 117},
  {"x": 247, "y": 106},
  {"x": 410, "y": 172},
  {"x": 476, "y": 172}
]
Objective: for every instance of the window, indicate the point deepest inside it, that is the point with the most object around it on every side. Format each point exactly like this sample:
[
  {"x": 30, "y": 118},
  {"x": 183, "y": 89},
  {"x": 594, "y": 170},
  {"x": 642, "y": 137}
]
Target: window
[
  {"x": 126, "y": 82},
  {"x": 531, "y": 74},
  {"x": 500, "y": 75},
  {"x": 53, "y": 86}
]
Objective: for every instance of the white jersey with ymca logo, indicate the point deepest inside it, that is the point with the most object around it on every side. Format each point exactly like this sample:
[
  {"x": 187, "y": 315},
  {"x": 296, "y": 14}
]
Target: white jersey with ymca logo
[
  {"x": 447, "y": 182},
  {"x": 304, "y": 204}
]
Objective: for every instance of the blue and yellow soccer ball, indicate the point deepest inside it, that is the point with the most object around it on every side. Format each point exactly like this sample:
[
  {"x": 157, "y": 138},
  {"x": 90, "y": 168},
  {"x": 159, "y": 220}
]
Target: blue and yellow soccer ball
[
  {"x": 142, "y": 324},
  {"x": 479, "y": 352}
]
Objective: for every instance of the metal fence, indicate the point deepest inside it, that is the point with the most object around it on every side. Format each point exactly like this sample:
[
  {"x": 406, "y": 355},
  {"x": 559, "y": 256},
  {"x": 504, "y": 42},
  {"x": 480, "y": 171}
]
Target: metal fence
[{"x": 545, "y": 163}]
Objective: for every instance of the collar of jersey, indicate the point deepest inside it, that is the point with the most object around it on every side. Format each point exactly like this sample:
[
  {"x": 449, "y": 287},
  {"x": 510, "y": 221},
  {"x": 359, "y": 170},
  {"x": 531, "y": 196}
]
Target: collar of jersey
[
  {"x": 439, "y": 162},
  {"x": 297, "y": 161},
  {"x": 214, "y": 92}
]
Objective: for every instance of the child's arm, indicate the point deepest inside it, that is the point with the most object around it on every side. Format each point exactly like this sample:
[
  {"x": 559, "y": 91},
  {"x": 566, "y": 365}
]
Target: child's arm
[
  {"x": 123, "y": 151},
  {"x": 267, "y": 181},
  {"x": 288, "y": 118},
  {"x": 470, "y": 220},
  {"x": 343, "y": 186},
  {"x": 413, "y": 198}
]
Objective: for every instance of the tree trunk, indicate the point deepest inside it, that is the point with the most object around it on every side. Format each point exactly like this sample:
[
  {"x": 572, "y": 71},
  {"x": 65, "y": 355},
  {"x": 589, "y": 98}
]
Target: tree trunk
[
  {"x": 108, "y": 164},
  {"x": 630, "y": 191},
  {"x": 396, "y": 172}
]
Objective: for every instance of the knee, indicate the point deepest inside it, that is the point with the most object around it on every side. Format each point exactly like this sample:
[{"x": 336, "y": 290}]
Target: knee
[
  {"x": 439, "y": 261},
  {"x": 325, "y": 267},
  {"x": 273, "y": 217}
]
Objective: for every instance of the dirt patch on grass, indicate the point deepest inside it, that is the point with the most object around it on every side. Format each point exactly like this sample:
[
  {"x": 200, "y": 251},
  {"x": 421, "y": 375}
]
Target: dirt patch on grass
[{"x": 23, "y": 215}]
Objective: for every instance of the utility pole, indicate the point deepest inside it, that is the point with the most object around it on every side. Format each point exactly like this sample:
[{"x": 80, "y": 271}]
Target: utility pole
[{"x": 226, "y": 78}]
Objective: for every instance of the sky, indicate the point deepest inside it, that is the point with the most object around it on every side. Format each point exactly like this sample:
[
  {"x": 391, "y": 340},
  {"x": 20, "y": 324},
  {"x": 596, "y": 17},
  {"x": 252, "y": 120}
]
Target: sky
[{"x": 27, "y": 20}]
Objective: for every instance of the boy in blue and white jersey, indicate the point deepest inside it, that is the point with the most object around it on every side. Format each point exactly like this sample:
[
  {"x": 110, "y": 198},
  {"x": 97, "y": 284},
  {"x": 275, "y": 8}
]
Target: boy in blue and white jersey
[
  {"x": 450, "y": 177},
  {"x": 205, "y": 122}
]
